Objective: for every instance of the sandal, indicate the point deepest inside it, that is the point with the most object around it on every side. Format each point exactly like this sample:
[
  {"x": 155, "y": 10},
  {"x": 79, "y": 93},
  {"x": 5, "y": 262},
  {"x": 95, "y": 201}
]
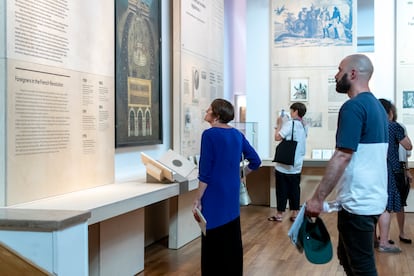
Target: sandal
[
  {"x": 390, "y": 249},
  {"x": 275, "y": 218},
  {"x": 404, "y": 240}
]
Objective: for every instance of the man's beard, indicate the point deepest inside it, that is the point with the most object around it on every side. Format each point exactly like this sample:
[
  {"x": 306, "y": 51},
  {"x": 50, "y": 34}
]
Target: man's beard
[{"x": 343, "y": 85}]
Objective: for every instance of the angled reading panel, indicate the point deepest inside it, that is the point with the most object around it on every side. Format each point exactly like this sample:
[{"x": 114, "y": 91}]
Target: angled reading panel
[
  {"x": 156, "y": 169},
  {"x": 178, "y": 163}
]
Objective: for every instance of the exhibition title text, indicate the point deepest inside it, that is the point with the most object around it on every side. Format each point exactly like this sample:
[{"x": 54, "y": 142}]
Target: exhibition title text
[{"x": 38, "y": 81}]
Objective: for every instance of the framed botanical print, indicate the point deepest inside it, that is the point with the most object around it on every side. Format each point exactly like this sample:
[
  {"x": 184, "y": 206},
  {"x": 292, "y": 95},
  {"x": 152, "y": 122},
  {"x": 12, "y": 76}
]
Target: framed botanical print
[
  {"x": 299, "y": 89},
  {"x": 137, "y": 73}
]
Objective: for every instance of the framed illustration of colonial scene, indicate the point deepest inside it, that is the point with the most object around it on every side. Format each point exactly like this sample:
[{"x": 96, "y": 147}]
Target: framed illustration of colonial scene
[
  {"x": 137, "y": 73},
  {"x": 299, "y": 89}
]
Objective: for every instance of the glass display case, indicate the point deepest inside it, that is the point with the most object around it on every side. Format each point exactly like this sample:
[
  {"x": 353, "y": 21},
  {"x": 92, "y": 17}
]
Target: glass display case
[{"x": 249, "y": 129}]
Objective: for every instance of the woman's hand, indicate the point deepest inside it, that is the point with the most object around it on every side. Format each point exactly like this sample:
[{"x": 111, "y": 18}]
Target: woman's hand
[
  {"x": 196, "y": 204},
  {"x": 279, "y": 121}
]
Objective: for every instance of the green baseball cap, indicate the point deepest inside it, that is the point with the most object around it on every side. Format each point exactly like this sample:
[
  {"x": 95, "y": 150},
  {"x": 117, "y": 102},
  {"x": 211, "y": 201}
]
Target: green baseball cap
[{"x": 315, "y": 240}]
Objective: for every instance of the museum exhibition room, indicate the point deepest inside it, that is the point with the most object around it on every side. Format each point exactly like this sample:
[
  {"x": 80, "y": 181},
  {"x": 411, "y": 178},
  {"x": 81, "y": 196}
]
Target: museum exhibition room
[{"x": 103, "y": 109}]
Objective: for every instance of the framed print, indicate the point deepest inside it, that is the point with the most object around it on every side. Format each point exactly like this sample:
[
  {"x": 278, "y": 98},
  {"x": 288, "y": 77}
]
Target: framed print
[
  {"x": 137, "y": 73},
  {"x": 316, "y": 24},
  {"x": 408, "y": 99},
  {"x": 299, "y": 89}
]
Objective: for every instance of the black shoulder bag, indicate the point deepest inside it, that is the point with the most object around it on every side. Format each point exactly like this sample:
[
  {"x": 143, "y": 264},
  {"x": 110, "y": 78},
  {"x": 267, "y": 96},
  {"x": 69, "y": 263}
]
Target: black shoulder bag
[{"x": 285, "y": 151}]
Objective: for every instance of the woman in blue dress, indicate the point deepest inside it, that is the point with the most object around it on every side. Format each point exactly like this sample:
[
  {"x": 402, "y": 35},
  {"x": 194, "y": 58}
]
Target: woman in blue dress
[
  {"x": 403, "y": 181},
  {"x": 396, "y": 137},
  {"x": 222, "y": 148}
]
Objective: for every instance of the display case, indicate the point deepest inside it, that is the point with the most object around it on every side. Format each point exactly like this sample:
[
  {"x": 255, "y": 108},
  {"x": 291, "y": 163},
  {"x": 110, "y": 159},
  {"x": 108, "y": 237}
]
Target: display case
[{"x": 249, "y": 129}]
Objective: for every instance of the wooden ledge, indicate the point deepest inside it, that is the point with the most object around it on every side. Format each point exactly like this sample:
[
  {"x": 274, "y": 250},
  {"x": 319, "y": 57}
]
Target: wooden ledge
[{"x": 40, "y": 220}]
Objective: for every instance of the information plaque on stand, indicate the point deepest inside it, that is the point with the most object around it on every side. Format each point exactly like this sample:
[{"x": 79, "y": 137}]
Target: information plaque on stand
[{"x": 171, "y": 167}]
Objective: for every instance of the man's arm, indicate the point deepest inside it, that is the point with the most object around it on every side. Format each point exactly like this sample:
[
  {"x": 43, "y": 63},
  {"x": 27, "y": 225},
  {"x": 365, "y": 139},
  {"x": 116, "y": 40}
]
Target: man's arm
[{"x": 334, "y": 170}]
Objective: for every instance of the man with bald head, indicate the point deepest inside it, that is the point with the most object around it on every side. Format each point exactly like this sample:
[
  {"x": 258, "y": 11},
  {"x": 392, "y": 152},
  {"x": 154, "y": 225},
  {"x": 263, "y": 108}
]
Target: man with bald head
[{"x": 358, "y": 167}]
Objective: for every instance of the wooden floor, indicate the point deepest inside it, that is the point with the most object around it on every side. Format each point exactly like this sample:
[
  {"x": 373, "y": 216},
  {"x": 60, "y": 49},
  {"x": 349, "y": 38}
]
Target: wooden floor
[
  {"x": 268, "y": 250},
  {"x": 12, "y": 263}
]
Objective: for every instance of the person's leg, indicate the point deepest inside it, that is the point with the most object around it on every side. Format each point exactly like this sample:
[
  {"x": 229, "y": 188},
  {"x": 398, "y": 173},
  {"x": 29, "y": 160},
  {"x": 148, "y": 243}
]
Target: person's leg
[
  {"x": 401, "y": 222},
  {"x": 342, "y": 256},
  {"x": 294, "y": 194},
  {"x": 355, "y": 243},
  {"x": 222, "y": 250},
  {"x": 208, "y": 245},
  {"x": 403, "y": 185},
  {"x": 232, "y": 261},
  {"x": 281, "y": 193},
  {"x": 325, "y": 32},
  {"x": 376, "y": 241},
  {"x": 384, "y": 223}
]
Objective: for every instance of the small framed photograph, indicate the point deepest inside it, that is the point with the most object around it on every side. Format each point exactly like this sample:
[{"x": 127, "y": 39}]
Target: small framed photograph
[
  {"x": 408, "y": 99},
  {"x": 299, "y": 89}
]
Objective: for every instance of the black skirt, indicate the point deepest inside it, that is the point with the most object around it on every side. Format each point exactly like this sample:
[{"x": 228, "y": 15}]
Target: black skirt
[{"x": 222, "y": 250}]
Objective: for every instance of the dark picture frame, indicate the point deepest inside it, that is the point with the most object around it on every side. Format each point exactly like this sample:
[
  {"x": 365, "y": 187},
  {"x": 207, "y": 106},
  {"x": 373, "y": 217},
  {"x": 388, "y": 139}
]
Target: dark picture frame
[{"x": 138, "y": 94}]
